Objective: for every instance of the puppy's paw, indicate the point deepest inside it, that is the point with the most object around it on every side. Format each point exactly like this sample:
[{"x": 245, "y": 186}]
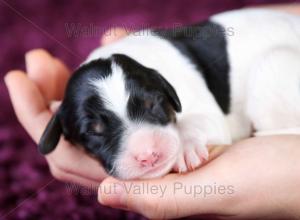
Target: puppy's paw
[{"x": 193, "y": 154}]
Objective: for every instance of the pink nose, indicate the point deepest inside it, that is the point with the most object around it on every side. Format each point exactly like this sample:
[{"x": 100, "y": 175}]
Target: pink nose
[{"x": 147, "y": 159}]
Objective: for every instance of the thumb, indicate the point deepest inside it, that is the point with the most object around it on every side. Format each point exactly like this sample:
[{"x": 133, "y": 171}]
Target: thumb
[{"x": 172, "y": 196}]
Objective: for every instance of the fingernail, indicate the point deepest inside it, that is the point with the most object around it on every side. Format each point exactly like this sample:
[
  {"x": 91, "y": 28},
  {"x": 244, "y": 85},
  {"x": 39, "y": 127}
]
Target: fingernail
[
  {"x": 5, "y": 78},
  {"x": 27, "y": 60},
  {"x": 113, "y": 195},
  {"x": 28, "y": 54}
]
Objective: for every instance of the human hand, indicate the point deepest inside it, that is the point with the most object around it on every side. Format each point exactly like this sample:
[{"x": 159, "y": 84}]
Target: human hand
[
  {"x": 256, "y": 178},
  {"x": 31, "y": 94}
]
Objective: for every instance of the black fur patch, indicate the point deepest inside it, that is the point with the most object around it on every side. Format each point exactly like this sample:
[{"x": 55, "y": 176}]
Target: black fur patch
[
  {"x": 152, "y": 98},
  {"x": 205, "y": 45},
  {"x": 84, "y": 119}
]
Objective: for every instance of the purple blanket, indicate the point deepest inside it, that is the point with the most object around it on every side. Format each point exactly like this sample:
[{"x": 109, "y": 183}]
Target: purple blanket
[{"x": 65, "y": 28}]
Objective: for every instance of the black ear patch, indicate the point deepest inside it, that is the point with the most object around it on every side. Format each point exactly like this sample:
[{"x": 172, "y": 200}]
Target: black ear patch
[
  {"x": 149, "y": 79},
  {"x": 51, "y": 135},
  {"x": 171, "y": 93},
  {"x": 205, "y": 45}
]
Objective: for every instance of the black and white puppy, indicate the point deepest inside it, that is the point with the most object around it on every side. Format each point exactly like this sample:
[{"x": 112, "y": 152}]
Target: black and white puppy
[{"x": 154, "y": 100}]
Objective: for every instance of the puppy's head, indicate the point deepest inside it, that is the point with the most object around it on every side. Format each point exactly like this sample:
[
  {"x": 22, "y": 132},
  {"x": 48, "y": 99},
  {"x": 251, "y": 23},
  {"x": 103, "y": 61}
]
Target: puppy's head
[{"x": 121, "y": 112}]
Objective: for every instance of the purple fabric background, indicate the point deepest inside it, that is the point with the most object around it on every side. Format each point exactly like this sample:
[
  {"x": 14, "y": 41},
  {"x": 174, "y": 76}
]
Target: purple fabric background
[{"x": 22, "y": 170}]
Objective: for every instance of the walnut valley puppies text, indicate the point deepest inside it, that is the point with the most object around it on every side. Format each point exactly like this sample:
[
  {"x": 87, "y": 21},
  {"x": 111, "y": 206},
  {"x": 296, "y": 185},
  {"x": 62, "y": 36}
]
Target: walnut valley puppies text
[{"x": 159, "y": 190}]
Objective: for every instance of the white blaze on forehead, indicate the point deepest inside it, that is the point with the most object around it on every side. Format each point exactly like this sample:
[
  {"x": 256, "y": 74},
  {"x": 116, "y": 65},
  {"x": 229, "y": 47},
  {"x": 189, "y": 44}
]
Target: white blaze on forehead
[{"x": 112, "y": 91}]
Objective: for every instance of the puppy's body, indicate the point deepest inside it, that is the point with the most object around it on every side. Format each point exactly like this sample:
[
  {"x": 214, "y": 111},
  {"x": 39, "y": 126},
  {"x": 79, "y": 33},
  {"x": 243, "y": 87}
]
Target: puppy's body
[
  {"x": 235, "y": 73},
  {"x": 262, "y": 51}
]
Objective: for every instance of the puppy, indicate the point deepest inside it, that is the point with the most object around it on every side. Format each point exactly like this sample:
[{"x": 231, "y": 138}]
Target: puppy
[{"x": 154, "y": 100}]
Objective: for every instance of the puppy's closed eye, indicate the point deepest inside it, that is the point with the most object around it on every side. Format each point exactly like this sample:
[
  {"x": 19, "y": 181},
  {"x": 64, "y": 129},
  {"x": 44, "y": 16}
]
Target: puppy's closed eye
[
  {"x": 148, "y": 104},
  {"x": 95, "y": 128},
  {"x": 152, "y": 102},
  {"x": 156, "y": 106}
]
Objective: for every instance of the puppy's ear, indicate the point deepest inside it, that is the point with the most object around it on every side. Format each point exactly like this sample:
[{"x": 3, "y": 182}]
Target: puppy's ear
[
  {"x": 171, "y": 93},
  {"x": 51, "y": 135},
  {"x": 144, "y": 75}
]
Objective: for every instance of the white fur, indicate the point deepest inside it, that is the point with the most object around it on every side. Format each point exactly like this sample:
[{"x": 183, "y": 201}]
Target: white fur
[
  {"x": 264, "y": 57},
  {"x": 113, "y": 92},
  {"x": 265, "y": 70},
  {"x": 126, "y": 167}
]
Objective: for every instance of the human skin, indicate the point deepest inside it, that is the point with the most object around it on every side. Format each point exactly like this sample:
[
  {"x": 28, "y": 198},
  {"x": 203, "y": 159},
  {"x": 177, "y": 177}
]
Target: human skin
[
  {"x": 255, "y": 195},
  {"x": 264, "y": 173}
]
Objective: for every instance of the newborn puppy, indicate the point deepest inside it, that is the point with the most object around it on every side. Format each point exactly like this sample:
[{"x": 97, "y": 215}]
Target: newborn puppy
[{"x": 154, "y": 100}]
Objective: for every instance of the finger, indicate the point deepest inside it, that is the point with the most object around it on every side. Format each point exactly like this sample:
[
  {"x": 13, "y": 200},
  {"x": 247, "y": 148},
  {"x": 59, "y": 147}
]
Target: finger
[
  {"x": 73, "y": 160},
  {"x": 113, "y": 35},
  {"x": 28, "y": 103},
  {"x": 47, "y": 72},
  {"x": 173, "y": 196},
  {"x": 62, "y": 78},
  {"x": 33, "y": 114},
  {"x": 54, "y": 106},
  {"x": 40, "y": 69},
  {"x": 290, "y": 8},
  {"x": 215, "y": 151}
]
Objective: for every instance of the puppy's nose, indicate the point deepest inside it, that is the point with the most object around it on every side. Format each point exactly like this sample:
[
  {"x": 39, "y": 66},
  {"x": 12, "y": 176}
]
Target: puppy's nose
[{"x": 147, "y": 159}]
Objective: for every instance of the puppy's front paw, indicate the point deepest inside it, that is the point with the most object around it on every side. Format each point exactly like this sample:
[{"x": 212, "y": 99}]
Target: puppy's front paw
[{"x": 193, "y": 153}]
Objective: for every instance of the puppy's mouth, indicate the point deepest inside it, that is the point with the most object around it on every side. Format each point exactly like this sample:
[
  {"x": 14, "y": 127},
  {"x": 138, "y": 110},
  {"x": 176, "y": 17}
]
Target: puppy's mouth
[
  {"x": 159, "y": 169},
  {"x": 139, "y": 172},
  {"x": 149, "y": 152}
]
